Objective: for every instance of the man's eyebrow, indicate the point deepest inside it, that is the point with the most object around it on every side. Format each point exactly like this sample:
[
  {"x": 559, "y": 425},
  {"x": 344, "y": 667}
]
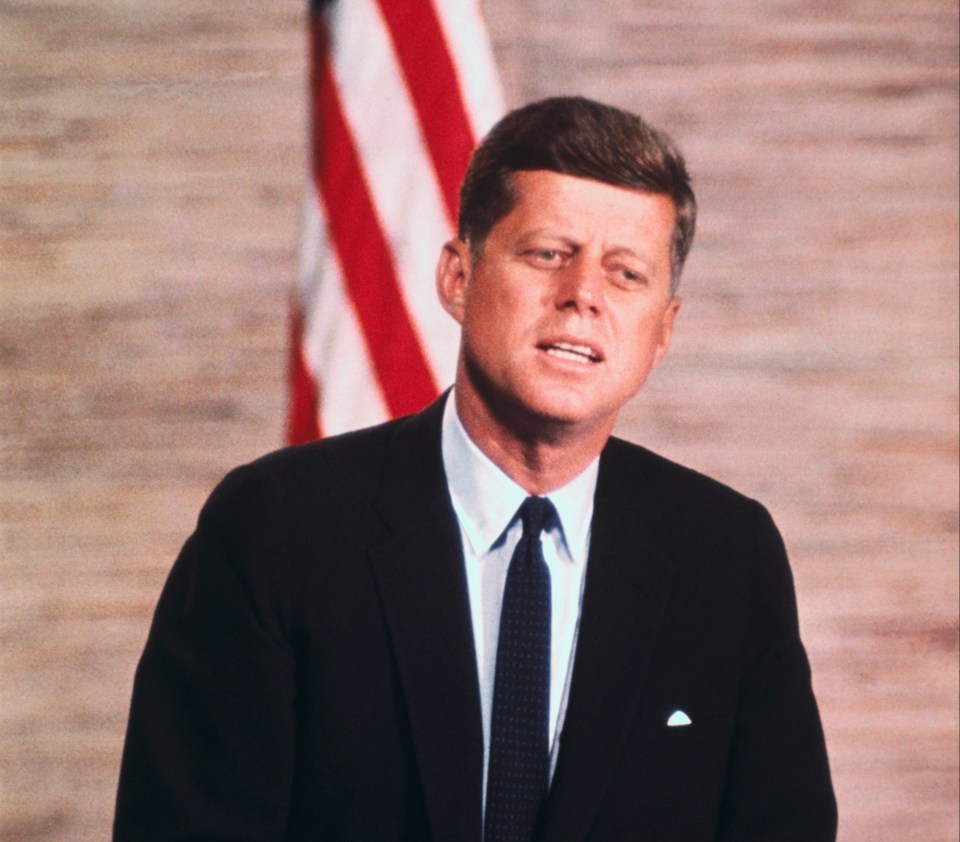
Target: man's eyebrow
[
  {"x": 620, "y": 251},
  {"x": 537, "y": 233}
]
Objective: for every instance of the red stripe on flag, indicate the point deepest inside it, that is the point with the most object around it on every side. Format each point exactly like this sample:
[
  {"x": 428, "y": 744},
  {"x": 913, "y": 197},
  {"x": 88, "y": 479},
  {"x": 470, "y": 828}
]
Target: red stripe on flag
[
  {"x": 302, "y": 422},
  {"x": 368, "y": 267},
  {"x": 435, "y": 90}
]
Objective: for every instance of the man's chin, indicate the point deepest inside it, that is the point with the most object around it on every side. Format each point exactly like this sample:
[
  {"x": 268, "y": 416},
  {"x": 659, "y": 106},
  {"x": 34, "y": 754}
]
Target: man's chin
[{"x": 557, "y": 419}]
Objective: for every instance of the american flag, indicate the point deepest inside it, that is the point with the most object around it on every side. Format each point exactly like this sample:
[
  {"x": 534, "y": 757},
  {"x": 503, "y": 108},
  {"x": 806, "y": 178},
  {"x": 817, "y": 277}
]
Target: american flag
[{"x": 401, "y": 90}]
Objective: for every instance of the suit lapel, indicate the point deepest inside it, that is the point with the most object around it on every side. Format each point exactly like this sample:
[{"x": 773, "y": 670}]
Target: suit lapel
[
  {"x": 629, "y": 576},
  {"x": 422, "y": 583}
]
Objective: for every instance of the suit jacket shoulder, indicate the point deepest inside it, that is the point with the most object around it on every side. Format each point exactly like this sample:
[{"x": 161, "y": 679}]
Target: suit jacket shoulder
[
  {"x": 339, "y": 471},
  {"x": 678, "y": 486}
]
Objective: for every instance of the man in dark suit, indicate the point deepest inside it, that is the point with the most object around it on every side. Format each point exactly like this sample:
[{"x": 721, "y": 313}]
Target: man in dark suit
[{"x": 492, "y": 620}]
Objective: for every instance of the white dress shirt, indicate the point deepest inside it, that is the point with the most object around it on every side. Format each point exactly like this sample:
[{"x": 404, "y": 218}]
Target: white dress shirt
[{"x": 486, "y": 501}]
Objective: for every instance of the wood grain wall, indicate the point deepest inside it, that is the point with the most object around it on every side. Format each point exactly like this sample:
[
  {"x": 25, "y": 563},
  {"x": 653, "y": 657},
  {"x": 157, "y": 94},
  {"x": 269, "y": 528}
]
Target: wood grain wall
[{"x": 151, "y": 164}]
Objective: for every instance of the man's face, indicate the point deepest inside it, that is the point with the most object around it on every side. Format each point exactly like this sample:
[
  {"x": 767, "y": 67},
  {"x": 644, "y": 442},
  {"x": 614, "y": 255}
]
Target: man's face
[{"x": 569, "y": 306}]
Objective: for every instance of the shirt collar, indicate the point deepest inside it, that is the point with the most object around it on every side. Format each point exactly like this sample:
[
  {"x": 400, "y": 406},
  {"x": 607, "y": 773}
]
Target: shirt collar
[{"x": 486, "y": 499}]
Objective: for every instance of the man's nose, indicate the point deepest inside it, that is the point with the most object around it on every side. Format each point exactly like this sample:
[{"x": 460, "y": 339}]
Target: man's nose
[{"x": 580, "y": 286}]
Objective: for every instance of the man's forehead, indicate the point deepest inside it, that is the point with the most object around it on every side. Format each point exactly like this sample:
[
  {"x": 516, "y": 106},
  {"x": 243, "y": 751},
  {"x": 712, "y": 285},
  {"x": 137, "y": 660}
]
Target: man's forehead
[
  {"x": 552, "y": 182},
  {"x": 546, "y": 202}
]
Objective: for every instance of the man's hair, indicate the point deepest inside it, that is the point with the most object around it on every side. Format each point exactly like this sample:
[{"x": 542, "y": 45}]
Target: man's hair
[{"x": 578, "y": 137}]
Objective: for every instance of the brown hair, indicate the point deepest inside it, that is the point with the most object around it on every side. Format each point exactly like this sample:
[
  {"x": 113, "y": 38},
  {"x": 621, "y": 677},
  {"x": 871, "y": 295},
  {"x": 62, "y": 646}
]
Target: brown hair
[{"x": 579, "y": 137}]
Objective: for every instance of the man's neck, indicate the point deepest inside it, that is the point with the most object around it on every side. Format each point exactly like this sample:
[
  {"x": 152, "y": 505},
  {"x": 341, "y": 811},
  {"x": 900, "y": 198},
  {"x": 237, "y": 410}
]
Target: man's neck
[{"x": 538, "y": 456}]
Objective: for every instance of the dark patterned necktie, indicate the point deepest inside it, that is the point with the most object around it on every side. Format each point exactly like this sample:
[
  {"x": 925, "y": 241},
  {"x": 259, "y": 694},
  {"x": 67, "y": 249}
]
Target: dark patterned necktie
[{"x": 519, "y": 754}]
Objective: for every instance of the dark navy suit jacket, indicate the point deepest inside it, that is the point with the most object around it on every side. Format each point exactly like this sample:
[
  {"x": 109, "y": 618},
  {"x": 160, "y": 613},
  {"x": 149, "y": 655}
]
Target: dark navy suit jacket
[{"x": 310, "y": 671}]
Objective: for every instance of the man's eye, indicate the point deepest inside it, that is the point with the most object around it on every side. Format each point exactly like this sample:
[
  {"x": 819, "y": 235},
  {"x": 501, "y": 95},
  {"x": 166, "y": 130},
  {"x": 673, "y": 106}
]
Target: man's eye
[{"x": 545, "y": 258}]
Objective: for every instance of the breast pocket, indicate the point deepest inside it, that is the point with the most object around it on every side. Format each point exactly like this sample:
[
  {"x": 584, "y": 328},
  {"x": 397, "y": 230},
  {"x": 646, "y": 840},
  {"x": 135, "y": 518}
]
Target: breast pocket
[
  {"x": 671, "y": 775},
  {"x": 684, "y": 746}
]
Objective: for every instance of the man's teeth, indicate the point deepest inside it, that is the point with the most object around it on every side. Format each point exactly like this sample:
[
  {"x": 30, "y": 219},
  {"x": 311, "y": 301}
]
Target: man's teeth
[{"x": 577, "y": 353}]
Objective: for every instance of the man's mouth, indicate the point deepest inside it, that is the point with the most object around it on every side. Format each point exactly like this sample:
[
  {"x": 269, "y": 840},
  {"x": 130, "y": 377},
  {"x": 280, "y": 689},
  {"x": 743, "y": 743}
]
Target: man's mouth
[{"x": 571, "y": 351}]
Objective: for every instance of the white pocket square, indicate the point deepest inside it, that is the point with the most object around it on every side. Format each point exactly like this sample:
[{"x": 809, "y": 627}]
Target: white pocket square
[{"x": 678, "y": 719}]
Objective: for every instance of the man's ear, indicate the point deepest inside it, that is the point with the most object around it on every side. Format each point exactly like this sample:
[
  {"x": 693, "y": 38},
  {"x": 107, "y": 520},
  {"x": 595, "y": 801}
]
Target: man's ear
[
  {"x": 666, "y": 328},
  {"x": 453, "y": 273}
]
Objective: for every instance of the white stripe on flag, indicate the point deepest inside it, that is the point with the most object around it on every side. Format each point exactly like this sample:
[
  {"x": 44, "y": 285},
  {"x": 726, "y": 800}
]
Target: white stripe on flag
[{"x": 469, "y": 47}]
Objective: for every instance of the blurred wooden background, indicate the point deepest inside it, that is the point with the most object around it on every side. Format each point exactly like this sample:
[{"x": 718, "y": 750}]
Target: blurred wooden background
[{"x": 151, "y": 166}]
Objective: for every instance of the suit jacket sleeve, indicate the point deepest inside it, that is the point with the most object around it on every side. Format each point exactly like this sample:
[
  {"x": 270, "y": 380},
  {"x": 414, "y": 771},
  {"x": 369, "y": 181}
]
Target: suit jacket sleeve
[
  {"x": 209, "y": 748},
  {"x": 778, "y": 783}
]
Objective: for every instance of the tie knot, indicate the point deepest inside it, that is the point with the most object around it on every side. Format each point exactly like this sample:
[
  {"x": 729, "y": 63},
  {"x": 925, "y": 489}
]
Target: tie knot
[{"x": 537, "y": 513}]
